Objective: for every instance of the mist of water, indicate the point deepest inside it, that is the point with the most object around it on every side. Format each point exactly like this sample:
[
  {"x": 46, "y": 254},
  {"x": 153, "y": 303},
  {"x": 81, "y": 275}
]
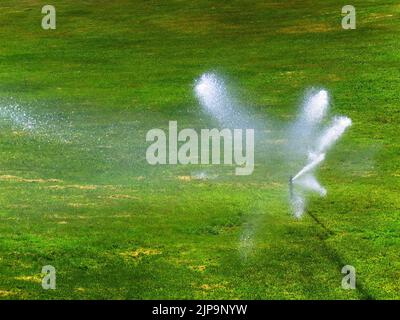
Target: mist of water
[
  {"x": 38, "y": 125},
  {"x": 18, "y": 117},
  {"x": 217, "y": 101},
  {"x": 315, "y": 108},
  {"x": 333, "y": 133},
  {"x": 213, "y": 96},
  {"x": 310, "y": 183},
  {"x": 298, "y": 204}
]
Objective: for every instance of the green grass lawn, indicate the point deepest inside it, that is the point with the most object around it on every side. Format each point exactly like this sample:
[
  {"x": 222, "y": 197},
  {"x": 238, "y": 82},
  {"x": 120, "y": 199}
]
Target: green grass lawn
[{"x": 77, "y": 193}]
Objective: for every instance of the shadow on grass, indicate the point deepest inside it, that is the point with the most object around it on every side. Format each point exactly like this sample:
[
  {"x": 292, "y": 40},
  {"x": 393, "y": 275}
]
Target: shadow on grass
[{"x": 337, "y": 259}]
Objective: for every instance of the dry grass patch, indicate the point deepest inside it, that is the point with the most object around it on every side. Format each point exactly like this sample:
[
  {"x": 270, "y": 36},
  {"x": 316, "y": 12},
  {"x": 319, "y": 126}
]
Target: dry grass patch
[{"x": 140, "y": 253}]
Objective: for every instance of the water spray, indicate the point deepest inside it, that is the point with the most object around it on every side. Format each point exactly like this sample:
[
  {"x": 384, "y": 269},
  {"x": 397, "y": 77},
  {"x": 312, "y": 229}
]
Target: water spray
[
  {"x": 308, "y": 141},
  {"x": 308, "y": 127}
]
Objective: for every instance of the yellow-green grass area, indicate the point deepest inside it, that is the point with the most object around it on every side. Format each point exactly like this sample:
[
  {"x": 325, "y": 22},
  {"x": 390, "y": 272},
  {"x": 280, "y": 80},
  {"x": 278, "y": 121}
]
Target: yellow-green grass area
[{"x": 78, "y": 194}]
